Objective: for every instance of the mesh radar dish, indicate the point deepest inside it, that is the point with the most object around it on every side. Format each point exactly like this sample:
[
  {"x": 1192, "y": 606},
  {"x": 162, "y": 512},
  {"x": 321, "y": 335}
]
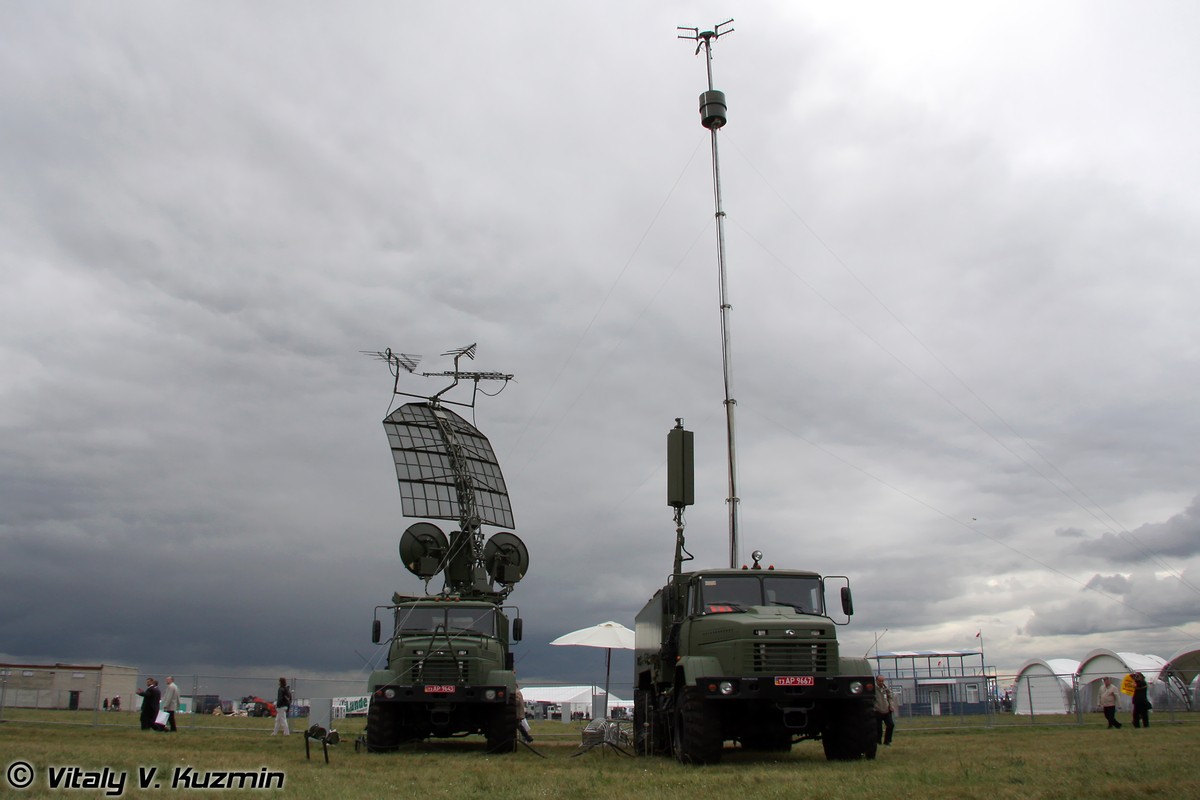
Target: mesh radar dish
[
  {"x": 505, "y": 558},
  {"x": 423, "y": 549},
  {"x": 446, "y": 468}
]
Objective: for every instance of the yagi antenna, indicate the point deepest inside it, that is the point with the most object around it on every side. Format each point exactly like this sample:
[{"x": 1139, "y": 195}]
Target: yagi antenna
[
  {"x": 704, "y": 37},
  {"x": 468, "y": 351},
  {"x": 408, "y": 363}
]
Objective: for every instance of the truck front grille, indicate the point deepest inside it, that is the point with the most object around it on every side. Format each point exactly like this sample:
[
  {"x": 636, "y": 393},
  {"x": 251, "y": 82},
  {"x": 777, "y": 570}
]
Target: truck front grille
[
  {"x": 439, "y": 670},
  {"x": 789, "y": 658}
]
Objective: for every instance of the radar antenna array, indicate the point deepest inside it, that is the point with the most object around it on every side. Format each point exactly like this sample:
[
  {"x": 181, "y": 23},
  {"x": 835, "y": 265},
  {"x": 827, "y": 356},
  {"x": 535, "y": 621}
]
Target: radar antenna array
[{"x": 446, "y": 469}]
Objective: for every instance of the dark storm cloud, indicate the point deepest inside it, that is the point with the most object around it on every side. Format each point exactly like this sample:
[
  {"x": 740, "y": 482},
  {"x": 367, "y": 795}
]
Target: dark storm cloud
[
  {"x": 1118, "y": 604},
  {"x": 1175, "y": 538}
]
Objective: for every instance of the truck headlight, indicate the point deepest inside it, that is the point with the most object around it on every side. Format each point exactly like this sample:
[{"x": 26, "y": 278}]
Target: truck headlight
[
  {"x": 490, "y": 694},
  {"x": 727, "y": 687},
  {"x": 856, "y": 687},
  {"x": 389, "y": 693}
]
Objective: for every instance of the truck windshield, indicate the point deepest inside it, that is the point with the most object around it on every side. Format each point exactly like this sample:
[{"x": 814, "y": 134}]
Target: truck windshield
[
  {"x": 727, "y": 593},
  {"x": 452, "y": 620}
]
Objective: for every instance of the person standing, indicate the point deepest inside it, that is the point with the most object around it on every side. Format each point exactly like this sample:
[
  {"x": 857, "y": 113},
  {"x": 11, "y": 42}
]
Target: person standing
[
  {"x": 1141, "y": 701},
  {"x": 150, "y": 700},
  {"x": 885, "y": 711},
  {"x": 283, "y": 701},
  {"x": 1108, "y": 702},
  {"x": 170, "y": 702}
]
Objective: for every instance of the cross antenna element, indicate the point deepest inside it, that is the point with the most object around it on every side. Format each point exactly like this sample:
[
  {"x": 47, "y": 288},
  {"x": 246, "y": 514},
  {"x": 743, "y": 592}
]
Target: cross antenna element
[{"x": 713, "y": 110}]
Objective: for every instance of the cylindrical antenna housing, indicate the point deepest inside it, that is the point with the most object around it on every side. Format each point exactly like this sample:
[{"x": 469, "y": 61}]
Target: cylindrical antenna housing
[{"x": 713, "y": 109}]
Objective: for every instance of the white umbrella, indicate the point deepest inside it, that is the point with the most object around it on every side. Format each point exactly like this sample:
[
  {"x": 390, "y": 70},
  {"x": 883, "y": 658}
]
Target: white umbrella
[{"x": 610, "y": 636}]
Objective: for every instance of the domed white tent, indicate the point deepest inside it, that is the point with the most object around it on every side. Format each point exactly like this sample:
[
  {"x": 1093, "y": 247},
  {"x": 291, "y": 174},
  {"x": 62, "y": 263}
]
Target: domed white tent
[
  {"x": 1181, "y": 684},
  {"x": 1105, "y": 663},
  {"x": 1045, "y": 686}
]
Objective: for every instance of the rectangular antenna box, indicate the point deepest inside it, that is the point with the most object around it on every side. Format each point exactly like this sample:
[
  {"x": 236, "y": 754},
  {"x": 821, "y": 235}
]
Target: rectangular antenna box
[{"x": 681, "y": 468}]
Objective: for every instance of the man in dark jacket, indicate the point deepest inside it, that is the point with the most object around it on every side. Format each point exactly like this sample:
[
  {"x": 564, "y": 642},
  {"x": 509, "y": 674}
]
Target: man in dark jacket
[
  {"x": 283, "y": 701},
  {"x": 1141, "y": 701},
  {"x": 150, "y": 697}
]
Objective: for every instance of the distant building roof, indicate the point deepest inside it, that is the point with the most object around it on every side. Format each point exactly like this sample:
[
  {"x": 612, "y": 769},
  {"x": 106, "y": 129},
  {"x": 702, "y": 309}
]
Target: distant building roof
[{"x": 926, "y": 653}]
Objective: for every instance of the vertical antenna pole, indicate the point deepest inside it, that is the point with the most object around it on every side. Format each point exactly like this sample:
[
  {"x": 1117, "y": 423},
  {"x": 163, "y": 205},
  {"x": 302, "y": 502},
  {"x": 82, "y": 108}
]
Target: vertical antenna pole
[{"x": 712, "y": 116}]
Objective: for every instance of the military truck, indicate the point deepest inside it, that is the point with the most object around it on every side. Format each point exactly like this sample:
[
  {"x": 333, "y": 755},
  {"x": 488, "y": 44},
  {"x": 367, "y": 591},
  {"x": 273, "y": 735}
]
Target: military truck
[
  {"x": 749, "y": 655},
  {"x": 449, "y": 669},
  {"x": 449, "y": 673}
]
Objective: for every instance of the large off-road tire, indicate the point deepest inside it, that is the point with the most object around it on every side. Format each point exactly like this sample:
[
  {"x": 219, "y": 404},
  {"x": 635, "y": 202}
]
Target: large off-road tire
[
  {"x": 383, "y": 730},
  {"x": 850, "y": 733},
  {"x": 501, "y": 729},
  {"x": 696, "y": 731}
]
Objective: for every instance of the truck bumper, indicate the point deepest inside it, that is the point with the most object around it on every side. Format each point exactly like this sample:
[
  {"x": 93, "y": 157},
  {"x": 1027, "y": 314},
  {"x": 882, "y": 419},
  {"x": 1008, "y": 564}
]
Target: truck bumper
[
  {"x": 439, "y": 694},
  {"x": 787, "y": 690}
]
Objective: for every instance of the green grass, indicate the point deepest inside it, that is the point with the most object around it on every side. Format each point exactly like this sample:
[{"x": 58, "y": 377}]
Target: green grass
[{"x": 1031, "y": 761}]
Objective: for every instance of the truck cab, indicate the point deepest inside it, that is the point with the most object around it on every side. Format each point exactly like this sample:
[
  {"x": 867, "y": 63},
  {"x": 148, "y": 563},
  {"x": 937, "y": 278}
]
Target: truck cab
[
  {"x": 752, "y": 656},
  {"x": 449, "y": 673}
]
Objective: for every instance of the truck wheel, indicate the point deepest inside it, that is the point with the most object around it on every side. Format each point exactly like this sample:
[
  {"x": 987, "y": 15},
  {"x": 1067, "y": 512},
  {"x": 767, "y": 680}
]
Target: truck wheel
[
  {"x": 382, "y": 734},
  {"x": 867, "y": 731},
  {"x": 501, "y": 729},
  {"x": 697, "y": 731},
  {"x": 849, "y": 734}
]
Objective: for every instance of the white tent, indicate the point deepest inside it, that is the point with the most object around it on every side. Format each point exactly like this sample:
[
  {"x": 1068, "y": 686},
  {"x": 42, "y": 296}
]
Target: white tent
[
  {"x": 1181, "y": 680},
  {"x": 1105, "y": 663},
  {"x": 572, "y": 699},
  {"x": 1045, "y": 686}
]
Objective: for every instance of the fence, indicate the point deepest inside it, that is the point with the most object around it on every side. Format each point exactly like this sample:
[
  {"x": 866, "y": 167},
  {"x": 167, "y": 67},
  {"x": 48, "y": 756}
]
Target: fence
[
  {"x": 103, "y": 695},
  {"x": 89, "y": 694}
]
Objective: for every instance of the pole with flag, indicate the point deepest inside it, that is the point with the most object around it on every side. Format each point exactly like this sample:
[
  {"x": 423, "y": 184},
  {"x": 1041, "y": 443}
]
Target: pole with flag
[{"x": 983, "y": 668}]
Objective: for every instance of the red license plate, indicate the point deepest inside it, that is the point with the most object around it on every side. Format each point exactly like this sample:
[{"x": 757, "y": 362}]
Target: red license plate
[
  {"x": 794, "y": 680},
  {"x": 439, "y": 689}
]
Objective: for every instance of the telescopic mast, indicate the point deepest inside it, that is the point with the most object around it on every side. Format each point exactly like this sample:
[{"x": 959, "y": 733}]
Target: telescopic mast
[{"x": 713, "y": 116}]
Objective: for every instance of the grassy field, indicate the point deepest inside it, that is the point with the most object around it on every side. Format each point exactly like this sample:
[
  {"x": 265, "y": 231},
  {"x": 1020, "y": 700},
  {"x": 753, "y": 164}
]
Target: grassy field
[{"x": 1041, "y": 761}]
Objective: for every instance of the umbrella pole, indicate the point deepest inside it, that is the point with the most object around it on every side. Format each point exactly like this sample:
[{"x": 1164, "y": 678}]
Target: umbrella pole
[{"x": 607, "y": 667}]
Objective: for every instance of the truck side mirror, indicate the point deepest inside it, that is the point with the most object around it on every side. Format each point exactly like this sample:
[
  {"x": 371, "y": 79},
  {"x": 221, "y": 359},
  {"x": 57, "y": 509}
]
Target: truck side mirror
[
  {"x": 375, "y": 631},
  {"x": 518, "y": 629},
  {"x": 847, "y": 602}
]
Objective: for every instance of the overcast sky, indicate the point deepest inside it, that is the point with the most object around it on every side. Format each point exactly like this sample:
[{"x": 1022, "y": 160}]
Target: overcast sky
[{"x": 962, "y": 264}]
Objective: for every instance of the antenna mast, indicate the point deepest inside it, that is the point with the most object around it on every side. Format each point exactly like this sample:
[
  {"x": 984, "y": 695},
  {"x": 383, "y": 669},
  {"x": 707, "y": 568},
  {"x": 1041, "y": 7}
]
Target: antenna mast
[{"x": 712, "y": 116}]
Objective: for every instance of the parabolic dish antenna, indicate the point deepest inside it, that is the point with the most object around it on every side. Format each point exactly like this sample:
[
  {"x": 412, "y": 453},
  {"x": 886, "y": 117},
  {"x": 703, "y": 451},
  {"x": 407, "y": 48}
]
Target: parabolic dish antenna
[
  {"x": 505, "y": 558},
  {"x": 423, "y": 549}
]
